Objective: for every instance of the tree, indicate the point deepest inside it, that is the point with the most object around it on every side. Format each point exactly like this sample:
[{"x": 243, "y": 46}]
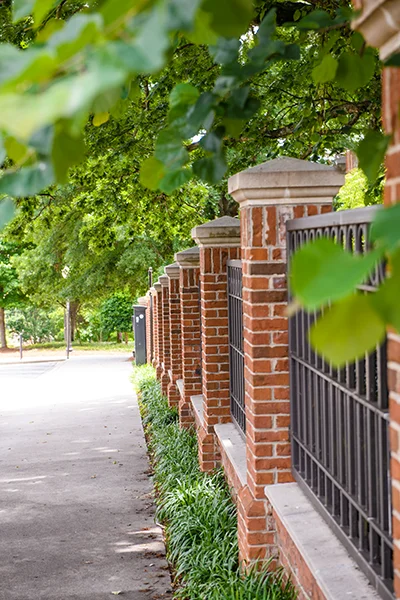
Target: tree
[
  {"x": 119, "y": 56},
  {"x": 10, "y": 291},
  {"x": 35, "y": 324},
  {"x": 116, "y": 315}
]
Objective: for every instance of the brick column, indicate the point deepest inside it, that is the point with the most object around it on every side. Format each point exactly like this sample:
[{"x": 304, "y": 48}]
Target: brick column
[
  {"x": 166, "y": 350},
  {"x": 148, "y": 329},
  {"x": 391, "y": 120},
  {"x": 269, "y": 195},
  {"x": 152, "y": 293},
  {"x": 175, "y": 372},
  {"x": 158, "y": 328},
  {"x": 189, "y": 274},
  {"x": 379, "y": 22},
  {"x": 219, "y": 241}
]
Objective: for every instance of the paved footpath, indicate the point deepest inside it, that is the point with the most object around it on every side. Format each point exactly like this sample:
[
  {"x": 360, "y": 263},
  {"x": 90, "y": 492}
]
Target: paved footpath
[{"x": 76, "y": 501}]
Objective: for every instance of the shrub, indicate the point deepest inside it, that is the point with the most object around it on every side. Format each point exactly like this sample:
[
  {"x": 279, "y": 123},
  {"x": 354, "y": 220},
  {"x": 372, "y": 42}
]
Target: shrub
[{"x": 197, "y": 511}]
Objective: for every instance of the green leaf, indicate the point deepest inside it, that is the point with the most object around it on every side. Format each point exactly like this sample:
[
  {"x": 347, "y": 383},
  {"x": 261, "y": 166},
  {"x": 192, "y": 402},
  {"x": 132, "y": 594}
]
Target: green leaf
[
  {"x": 15, "y": 150},
  {"x": 115, "y": 14},
  {"x": 146, "y": 54},
  {"x": 317, "y": 19},
  {"x": 181, "y": 14},
  {"x": 174, "y": 180},
  {"x": 226, "y": 51},
  {"x": 202, "y": 32},
  {"x": 78, "y": 32},
  {"x": 181, "y": 98},
  {"x": 355, "y": 71},
  {"x": 67, "y": 151},
  {"x": 169, "y": 149},
  {"x": 41, "y": 9},
  {"x": 7, "y": 211},
  {"x": 348, "y": 330},
  {"x": 27, "y": 181},
  {"x": 371, "y": 153},
  {"x": 22, "y": 8},
  {"x": 151, "y": 173},
  {"x": 42, "y": 140},
  {"x": 321, "y": 271},
  {"x": 210, "y": 169},
  {"x": 326, "y": 70},
  {"x": 3, "y": 152},
  {"x": 385, "y": 228},
  {"x": 27, "y": 66},
  {"x": 229, "y": 18},
  {"x": 386, "y": 300},
  {"x": 101, "y": 118}
]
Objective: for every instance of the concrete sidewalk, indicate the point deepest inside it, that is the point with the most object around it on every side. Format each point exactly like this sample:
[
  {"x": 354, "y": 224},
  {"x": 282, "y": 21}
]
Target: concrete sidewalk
[{"x": 76, "y": 501}]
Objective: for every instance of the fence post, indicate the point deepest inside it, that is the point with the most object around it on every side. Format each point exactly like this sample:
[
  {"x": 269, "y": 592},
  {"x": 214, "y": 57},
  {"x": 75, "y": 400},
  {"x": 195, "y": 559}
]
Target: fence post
[
  {"x": 219, "y": 241},
  {"x": 190, "y": 384},
  {"x": 175, "y": 372},
  {"x": 270, "y": 194},
  {"x": 158, "y": 328},
  {"x": 166, "y": 350}
]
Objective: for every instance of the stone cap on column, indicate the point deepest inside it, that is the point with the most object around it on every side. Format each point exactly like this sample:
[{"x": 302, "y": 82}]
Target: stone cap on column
[
  {"x": 223, "y": 232},
  {"x": 164, "y": 280},
  {"x": 157, "y": 286},
  {"x": 286, "y": 181},
  {"x": 142, "y": 301},
  {"x": 379, "y": 23},
  {"x": 172, "y": 271},
  {"x": 189, "y": 257}
]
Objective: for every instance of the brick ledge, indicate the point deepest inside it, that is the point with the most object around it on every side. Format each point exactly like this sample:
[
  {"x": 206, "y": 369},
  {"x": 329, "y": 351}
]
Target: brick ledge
[
  {"x": 179, "y": 385},
  {"x": 233, "y": 454},
  {"x": 197, "y": 405},
  {"x": 320, "y": 565}
]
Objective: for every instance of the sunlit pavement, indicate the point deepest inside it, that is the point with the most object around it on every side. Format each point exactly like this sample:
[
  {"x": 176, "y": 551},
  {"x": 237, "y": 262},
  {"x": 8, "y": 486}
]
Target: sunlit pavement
[{"x": 76, "y": 505}]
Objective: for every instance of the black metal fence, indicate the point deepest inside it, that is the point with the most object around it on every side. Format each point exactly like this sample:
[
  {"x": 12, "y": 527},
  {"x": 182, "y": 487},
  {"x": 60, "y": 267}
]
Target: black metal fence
[
  {"x": 236, "y": 352},
  {"x": 340, "y": 427}
]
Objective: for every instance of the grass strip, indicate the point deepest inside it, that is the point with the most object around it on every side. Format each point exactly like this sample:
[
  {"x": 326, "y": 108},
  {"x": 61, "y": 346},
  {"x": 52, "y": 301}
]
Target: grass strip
[{"x": 197, "y": 512}]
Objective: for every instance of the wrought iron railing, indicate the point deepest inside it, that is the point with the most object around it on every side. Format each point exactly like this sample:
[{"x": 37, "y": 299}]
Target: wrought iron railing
[
  {"x": 339, "y": 419},
  {"x": 236, "y": 351}
]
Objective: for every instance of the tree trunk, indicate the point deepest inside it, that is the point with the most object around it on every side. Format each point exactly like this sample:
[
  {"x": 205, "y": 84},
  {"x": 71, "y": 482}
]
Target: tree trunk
[
  {"x": 74, "y": 308},
  {"x": 3, "y": 341}
]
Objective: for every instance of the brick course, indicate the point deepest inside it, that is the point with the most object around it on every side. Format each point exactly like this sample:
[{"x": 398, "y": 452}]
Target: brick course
[
  {"x": 158, "y": 322},
  {"x": 219, "y": 241},
  {"x": 391, "y": 122},
  {"x": 189, "y": 273},
  {"x": 263, "y": 242}
]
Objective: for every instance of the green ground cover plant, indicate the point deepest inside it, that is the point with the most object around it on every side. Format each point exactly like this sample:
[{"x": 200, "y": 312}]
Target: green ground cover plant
[{"x": 197, "y": 512}]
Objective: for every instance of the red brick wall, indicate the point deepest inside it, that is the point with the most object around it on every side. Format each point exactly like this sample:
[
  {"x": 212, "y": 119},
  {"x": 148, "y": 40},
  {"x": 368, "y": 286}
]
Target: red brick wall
[
  {"x": 165, "y": 339},
  {"x": 148, "y": 330},
  {"x": 215, "y": 348},
  {"x": 175, "y": 340},
  {"x": 391, "y": 122},
  {"x": 266, "y": 366},
  {"x": 190, "y": 331},
  {"x": 159, "y": 327}
]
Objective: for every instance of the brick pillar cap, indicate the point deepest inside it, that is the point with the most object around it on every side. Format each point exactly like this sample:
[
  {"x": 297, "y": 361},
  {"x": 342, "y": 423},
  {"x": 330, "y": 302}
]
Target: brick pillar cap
[
  {"x": 223, "y": 232},
  {"x": 152, "y": 291},
  {"x": 157, "y": 286},
  {"x": 379, "y": 23},
  {"x": 164, "y": 280},
  {"x": 189, "y": 257},
  {"x": 142, "y": 301},
  {"x": 286, "y": 181},
  {"x": 172, "y": 271}
]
